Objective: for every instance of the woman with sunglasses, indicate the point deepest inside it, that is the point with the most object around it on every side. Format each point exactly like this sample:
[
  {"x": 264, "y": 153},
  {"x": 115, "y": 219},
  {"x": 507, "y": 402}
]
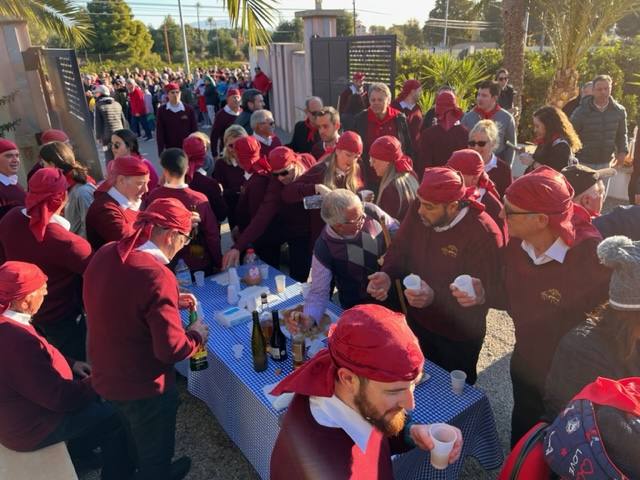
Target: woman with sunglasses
[
  {"x": 124, "y": 143},
  {"x": 339, "y": 169},
  {"x": 483, "y": 138},
  {"x": 228, "y": 173},
  {"x": 439, "y": 141},
  {"x": 398, "y": 182}
]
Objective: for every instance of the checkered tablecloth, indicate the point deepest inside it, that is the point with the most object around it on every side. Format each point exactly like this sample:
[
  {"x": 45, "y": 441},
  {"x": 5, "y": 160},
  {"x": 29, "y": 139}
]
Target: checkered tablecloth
[{"x": 233, "y": 392}]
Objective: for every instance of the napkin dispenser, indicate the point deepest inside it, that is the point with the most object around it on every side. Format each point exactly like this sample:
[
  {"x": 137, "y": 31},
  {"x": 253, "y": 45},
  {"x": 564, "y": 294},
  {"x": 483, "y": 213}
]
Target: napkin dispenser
[{"x": 232, "y": 316}]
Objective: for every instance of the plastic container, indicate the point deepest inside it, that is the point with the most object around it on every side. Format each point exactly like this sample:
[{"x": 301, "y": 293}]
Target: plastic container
[{"x": 183, "y": 274}]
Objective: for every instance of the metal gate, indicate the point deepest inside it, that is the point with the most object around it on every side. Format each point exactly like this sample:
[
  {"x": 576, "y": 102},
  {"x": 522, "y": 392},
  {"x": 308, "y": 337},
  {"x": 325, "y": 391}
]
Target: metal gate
[
  {"x": 334, "y": 61},
  {"x": 68, "y": 108}
]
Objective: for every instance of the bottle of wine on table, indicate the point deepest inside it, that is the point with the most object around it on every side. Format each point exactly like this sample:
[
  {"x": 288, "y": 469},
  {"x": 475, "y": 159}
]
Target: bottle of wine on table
[
  {"x": 258, "y": 345},
  {"x": 278, "y": 342},
  {"x": 198, "y": 360}
]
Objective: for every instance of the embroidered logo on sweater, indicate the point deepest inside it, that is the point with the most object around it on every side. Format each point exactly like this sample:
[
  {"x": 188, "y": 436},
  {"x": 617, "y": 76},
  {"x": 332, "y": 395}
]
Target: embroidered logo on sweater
[
  {"x": 552, "y": 296},
  {"x": 450, "y": 251}
]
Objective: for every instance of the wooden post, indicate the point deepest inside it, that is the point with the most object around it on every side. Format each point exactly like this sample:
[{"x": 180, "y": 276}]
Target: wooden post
[{"x": 166, "y": 43}]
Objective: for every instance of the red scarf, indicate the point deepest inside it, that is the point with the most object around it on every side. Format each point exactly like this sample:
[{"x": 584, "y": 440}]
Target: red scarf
[
  {"x": 311, "y": 130},
  {"x": 72, "y": 183},
  {"x": 487, "y": 115},
  {"x": 377, "y": 123}
]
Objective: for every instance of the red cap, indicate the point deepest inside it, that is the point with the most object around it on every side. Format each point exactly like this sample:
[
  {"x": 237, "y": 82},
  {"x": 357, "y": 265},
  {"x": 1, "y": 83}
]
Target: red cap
[
  {"x": 17, "y": 280},
  {"x": 546, "y": 191},
  {"x": 6, "y": 145},
  {"x": 351, "y": 142},
  {"x": 47, "y": 192},
  {"x": 129, "y": 166},
  {"x": 467, "y": 162},
  {"x": 249, "y": 157},
  {"x": 171, "y": 86},
  {"x": 53, "y": 135},
  {"x": 388, "y": 149},
  {"x": 233, "y": 92},
  {"x": 196, "y": 151},
  {"x": 358, "y": 76},
  {"x": 371, "y": 341},
  {"x": 408, "y": 87},
  {"x": 167, "y": 213}
]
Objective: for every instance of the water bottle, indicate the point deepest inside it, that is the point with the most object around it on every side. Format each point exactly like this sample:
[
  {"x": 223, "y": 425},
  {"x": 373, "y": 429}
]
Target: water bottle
[
  {"x": 312, "y": 202},
  {"x": 250, "y": 258},
  {"x": 183, "y": 274}
]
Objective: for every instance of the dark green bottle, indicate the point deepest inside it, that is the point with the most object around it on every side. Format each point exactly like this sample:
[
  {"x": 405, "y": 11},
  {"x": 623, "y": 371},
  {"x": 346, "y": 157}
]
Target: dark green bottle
[
  {"x": 258, "y": 345},
  {"x": 278, "y": 342},
  {"x": 198, "y": 360}
]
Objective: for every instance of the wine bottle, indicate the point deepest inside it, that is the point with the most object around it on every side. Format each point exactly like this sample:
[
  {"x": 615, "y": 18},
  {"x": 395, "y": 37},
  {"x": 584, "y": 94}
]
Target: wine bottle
[
  {"x": 198, "y": 360},
  {"x": 278, "y": 342},
  {"x": 258, "y": 349}
]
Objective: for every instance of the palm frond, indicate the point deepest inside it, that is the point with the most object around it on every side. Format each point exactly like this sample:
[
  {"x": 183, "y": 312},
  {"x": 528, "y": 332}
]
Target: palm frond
[
  {"x": 252, "y": 17},
  {"x": 60, "y": 16}
]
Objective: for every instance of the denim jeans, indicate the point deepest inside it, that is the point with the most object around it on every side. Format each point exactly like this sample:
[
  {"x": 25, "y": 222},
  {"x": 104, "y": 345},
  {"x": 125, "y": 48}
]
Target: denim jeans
[
  {"x": 138, "y": 121},
  {"x": 152, "y": 428},
  {"x": 96, "y": 425}
]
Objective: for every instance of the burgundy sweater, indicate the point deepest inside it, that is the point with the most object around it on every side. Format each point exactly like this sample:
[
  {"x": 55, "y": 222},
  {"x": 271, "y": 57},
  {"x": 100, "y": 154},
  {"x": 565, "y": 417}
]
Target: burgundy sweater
[
  {"x": 221, "y": 122},
  {"x": 63, "y": 256},
  {"x": 471, "y": 247},
  {"x": 265, "y": 150},
  {"x": 501, "y": 176},
  {"x": 208, "y": 229},
  {"x": 306, "y": 450},
  {"x": 173, "y": 128},
  {"x": 390, "y": 203},
  {"x": 414, "y": 120},
  {"x": 437, "y": 144},
  {"x": 37, "y": 387},
  {"x": 135, "y": 334},
  {"x": 108, "y": 222},
  {"x": 257, "y": 207},
  {"x": 546, "y": 301},
  {"x": 10, "y": 196},
  {"x": 212, "y": 190},
  {"x": 493, "y": 207}
]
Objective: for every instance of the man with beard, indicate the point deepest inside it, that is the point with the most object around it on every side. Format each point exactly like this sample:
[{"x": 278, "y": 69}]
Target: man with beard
[
  {"x": 348, "y": 415},
  {"x": 328, "y": 123},
  {"x": 447, "y": 236}
]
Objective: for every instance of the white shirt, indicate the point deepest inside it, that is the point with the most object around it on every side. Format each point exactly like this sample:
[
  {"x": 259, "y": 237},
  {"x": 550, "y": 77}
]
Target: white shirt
[
  {"x": 261, "y": 139},
  {"x": 247, "y": 175},
  {"x": 493, "y": 163},
  {"x": 180, "y": 186},
  {"x": 334, "y": 413},
  {"x": 153, "y": 250},
  {"x": 7, "y": 181},
  {"x": 123, "y": 201},
  {"x": 454, "y": 222},
  {"x": 231, "y": 112},
  {"x": 202, "y": 171},
  {"x": 22, "y": 318},
  {"x": 175, "y": 108},
  {"x": 55, "y": 218},
  {"x": 408, "y": 106},
  {"x": 557, "y": 251}
]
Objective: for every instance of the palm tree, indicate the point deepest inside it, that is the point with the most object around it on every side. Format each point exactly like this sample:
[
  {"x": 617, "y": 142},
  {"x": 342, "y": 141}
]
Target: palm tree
[
  {"x": 252, "y": 17},
  {"x": 60, "y": 16},
  {"x": 514, "y": 13},
  {"x": 572, "y": 28}
]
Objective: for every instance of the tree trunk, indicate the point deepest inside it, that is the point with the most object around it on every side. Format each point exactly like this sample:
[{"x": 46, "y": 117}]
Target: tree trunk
[
  {"x": 514, "y": 13},
  {"x": 563, "y": 87}
]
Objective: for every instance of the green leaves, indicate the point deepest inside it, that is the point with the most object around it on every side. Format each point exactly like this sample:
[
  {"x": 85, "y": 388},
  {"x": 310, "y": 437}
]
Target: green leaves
[{"x": 252, "y": 17}]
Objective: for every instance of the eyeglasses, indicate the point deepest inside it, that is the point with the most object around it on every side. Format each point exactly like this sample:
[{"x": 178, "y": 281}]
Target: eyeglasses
[
  {"x": 355, "y": 223},
  {"x": 283, "y": 173},
  {"x": 481, "y": 143},
  {"x": 187, "y": 238},
  {"x": 116, "y": 144}
]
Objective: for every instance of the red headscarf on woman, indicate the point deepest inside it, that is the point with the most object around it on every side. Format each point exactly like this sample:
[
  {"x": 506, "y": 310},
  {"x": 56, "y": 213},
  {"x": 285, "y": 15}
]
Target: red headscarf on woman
[
  {"x": 249, "y": 157},
  {"x": 371, "y": 341},
  {"x": 196, "y": 151},
  {"x": 17, "y": 280},
  {"x": 388, "y": 149},
  {"x": 47, "y": 192},
  {"x": 469, "y": 162},
  {"x": 447, "y": 110},
  {"x": 408, "y": 87}
]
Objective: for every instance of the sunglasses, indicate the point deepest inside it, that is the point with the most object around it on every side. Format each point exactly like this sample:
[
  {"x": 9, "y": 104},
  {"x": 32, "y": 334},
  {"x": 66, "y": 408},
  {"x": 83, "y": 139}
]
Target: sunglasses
[
  {"x": 481, "y": 143},
  {"x": 116, "y": 144},
  {"x": 283, "y": 173}
]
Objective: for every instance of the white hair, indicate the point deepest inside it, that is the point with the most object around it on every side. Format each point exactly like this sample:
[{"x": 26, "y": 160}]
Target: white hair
[
  {"x": 380, "y": 87},
  {"x": 335, "y": 203},
  {"x": 260, "y": 116}
]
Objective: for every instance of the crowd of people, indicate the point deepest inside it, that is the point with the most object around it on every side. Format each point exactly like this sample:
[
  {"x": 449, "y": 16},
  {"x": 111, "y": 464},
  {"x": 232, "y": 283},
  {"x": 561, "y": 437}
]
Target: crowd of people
[{"x": 362, "y": 196}]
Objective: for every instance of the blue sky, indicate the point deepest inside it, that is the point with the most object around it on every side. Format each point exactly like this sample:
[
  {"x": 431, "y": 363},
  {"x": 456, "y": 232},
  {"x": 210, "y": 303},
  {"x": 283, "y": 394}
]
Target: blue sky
[{"x": 371, "y": 12}]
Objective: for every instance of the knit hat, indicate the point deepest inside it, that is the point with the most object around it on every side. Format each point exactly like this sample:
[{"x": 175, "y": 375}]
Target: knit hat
[
  {"x": 6, "y": 145},
  {"x": 17, "y": 280},
  {"x": 622, "y": 255},
  {"x": 53, "y": 135},
  {"x": 351, "y": 142}
]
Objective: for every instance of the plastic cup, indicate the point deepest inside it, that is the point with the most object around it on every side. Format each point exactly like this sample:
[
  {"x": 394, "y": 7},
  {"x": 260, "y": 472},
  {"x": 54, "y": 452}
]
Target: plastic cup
[
  {"x": 232, "y": 295},
  {"x": 444, "y": 437},
  {"x": 366, "y": 195},
  {"x": 264, "y": 272},
  {"x": 199, "y": 276},
  {"x": 280, "y": 283},
  {"x": 237, "y": 350},
  {"x": 234, "y": 279},
  {"x": 305, "y": 288},
  {"x": 458, "y": 378},
  {"x": 465, "y": 284},
  {"x": 412, "y": 282}
]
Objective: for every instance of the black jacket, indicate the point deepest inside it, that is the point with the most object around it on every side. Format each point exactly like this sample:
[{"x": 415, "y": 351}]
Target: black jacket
[{"x": 299, "y": 142}]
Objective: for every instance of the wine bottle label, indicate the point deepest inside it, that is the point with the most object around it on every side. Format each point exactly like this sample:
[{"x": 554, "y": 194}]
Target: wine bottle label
[{"x": 275, "y": 353}]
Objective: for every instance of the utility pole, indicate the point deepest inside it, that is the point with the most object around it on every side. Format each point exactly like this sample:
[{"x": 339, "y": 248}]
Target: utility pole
[
  {"x": 185, "y": 48},
  {"x": 166, "y": 42},
  {"x": 354, "y": 17},
  {"x": 198, "y": 5},
  {"x": 446, "y": 24}
]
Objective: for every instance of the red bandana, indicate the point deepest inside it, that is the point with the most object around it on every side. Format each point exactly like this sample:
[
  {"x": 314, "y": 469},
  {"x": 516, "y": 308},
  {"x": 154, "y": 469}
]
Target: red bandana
[
  {"x": 196, "y": 151},
  {"x": 47, "y": 191},
  {"x": 388, "y": 149},
  {"x": 311, "y": 130},
  {"x": 444, "y": 185},
  {"x": 17, "y": 280},
  {"x": 487, "y": 115}
]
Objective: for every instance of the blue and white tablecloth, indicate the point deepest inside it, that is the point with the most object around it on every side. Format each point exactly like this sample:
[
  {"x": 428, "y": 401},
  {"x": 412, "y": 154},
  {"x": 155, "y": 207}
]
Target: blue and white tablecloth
[{"x": 233, "y": 392}]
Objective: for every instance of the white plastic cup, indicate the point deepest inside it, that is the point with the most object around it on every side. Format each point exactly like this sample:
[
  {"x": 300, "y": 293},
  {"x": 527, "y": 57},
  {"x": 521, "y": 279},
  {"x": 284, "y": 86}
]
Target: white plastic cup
[
  {"x": 366, "y": 195},
  {"x": 232, "y": 295},
  {"x": 280, "y": 283},
  {"x": 412, "y": 282},
  {"x": 458, "y": 379},
  {"x": 464, "y": 283},
  {"x": 305, "y": 288},
  {"x": 234, "y": 279},
  {"x": 444, "y": 437},
  {"x": 199, "y": 276},
  {"x": 264, "y": 271},
  {"x": 237, "y": 350}
]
